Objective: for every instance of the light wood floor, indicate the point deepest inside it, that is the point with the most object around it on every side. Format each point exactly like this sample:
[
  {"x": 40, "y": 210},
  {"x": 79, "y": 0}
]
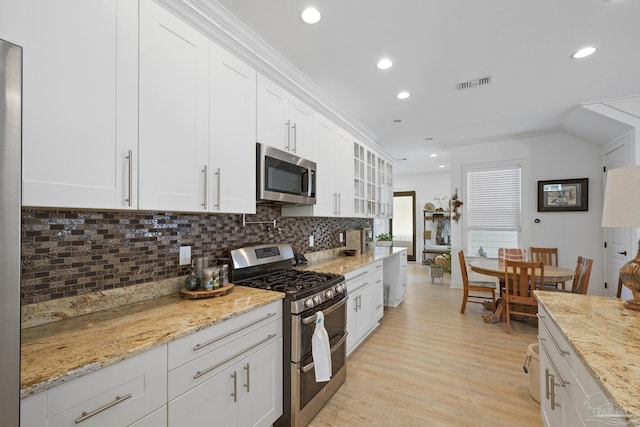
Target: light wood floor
[{"x": 428, "y": 365}]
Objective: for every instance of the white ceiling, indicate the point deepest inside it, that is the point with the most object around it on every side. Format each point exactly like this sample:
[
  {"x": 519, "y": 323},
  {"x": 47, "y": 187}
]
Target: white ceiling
[{"x": 525, "y": 46}]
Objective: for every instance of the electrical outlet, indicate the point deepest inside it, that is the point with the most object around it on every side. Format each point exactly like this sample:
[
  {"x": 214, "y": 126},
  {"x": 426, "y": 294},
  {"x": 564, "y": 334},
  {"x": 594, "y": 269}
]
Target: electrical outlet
[
  {"x": 311, "y": 241},
  {"x": 341, "y": 237},
  {"x": 185, "y": 255}
]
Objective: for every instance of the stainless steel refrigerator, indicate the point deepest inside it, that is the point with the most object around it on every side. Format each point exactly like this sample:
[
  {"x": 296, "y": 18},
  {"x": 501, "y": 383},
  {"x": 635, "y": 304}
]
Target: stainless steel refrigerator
[{"x": 10, "y": 196}]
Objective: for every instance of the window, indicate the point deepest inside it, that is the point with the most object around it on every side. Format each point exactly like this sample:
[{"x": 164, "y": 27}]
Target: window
[{"x": 493, "y": 209}]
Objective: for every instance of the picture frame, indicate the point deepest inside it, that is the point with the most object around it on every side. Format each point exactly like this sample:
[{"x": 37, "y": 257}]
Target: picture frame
[{"x": 563, "y": 195}]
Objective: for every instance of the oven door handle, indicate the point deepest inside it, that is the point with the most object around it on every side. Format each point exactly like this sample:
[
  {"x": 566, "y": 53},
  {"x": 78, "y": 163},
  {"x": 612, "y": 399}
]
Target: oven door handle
[
  {"x": 331, "y": 309},
  {"x": 310, "y": 366}
]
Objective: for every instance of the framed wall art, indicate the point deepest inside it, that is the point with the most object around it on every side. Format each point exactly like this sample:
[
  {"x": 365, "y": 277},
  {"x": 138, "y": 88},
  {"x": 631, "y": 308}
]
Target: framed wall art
[{"x": 559, "y": 195}]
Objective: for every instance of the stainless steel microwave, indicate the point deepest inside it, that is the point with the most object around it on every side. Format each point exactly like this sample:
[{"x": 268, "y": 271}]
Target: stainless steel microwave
[{"x": 283, "y": 177}]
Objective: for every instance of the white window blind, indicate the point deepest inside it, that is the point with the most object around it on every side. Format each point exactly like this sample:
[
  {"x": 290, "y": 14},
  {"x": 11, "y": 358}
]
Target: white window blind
[{"x": 493, "y": 198}]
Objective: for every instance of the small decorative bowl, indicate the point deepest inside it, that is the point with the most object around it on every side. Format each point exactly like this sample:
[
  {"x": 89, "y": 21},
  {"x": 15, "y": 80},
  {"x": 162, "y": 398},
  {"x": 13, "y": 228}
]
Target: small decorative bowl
[{"x": 349, "y": 252}]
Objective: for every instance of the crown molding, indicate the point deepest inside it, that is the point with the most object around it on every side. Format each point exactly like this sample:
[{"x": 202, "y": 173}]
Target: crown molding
[{"x": 223, "y": 28}]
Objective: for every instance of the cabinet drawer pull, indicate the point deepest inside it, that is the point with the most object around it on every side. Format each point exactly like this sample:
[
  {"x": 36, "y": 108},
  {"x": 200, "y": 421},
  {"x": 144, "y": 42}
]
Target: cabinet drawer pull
[
  {"x": 200, "y": 346},
  {"x": 87, "y": 415},
  {"x": 235, "y": 386},
  {"x": 364, "y": 273},
  {"x": 555, "y": 343},
  {"x": 248, "y": 369},
  {"x": 198, "y": 374},
  {"x": 553, "y": 367}
]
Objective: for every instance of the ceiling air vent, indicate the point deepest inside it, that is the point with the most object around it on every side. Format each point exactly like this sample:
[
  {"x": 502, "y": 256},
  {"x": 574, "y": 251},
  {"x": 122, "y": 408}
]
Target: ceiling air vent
[{"x": 473, "y": 83}]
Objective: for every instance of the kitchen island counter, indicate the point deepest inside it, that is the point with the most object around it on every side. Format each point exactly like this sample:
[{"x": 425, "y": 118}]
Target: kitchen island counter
[
  {"x": 606, "y": 337},
  {"x": 58, "y": 352},
  {"x": 341, "y": 264}
]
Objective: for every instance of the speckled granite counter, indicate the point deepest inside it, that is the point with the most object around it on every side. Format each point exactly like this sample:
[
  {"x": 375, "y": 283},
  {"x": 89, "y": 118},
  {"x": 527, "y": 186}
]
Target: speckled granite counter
[
  {"x": 606, "y": 337},
  {"x": 57, "y": 352},
  {"x": 341, "y": 264}
]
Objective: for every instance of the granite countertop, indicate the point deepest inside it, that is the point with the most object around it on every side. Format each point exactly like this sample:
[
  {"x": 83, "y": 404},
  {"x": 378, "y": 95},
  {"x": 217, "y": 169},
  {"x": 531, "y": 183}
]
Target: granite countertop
[
  {"x": 341, "y": 264},
  {"x": 606, "y": 337},
  {"x": 57, "y": 352}
]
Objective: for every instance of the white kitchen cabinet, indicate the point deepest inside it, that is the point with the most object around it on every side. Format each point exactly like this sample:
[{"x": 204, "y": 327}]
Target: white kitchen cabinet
[
  {"x": 174, "y": 112},
  {"x": 333, "y": 158},
  {"x": 80, "y": 127},
  {"x": 362, "y": 305},
  {"x": 155, "y": 419},
  {"x": 115, "y": 396},
  {"x": 395, "y": 277},
  {"x": 569, "y": 395},
  {"x": 377, "y": 293},
  {"x": 232, "y": 134},
  {"x": 230, "y": 372},
  {"x": 384, "y": 188},
  {"x": 283, "y": 121}
]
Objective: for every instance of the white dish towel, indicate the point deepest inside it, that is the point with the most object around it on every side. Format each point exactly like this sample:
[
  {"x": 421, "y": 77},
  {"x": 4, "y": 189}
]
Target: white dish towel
[{"x": 321, "y": 350}]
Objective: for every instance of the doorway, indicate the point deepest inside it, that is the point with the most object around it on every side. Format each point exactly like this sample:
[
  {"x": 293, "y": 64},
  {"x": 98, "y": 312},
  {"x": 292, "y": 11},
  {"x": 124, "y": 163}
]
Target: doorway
[{"x": 403, "y": 224}]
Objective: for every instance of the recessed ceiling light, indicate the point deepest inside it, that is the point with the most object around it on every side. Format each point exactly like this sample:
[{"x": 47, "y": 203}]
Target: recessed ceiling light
[
  {"x": 429, "y": 138},
  {"x": 441, "y": 166},
  {"x": 584, "y": 52},
  {"x": 433, "y": 155},
  {"x": 397, "y": 120},
  {"x": 311, "y": 15},
  {"x": 384, "y": 64},
  {"x": 403, "y": 95}
]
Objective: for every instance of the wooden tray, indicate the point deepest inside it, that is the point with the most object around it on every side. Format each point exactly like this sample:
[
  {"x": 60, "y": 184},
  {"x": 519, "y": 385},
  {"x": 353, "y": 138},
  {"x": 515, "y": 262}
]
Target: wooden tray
[{"x": 223, "y": 290}]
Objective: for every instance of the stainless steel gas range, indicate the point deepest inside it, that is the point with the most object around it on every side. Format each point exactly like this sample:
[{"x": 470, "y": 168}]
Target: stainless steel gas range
[{"x": 270, "y": 267}]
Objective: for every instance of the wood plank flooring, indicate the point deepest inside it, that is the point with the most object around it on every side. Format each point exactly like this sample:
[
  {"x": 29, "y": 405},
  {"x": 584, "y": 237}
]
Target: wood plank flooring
[{"x": 428, "y": 365}]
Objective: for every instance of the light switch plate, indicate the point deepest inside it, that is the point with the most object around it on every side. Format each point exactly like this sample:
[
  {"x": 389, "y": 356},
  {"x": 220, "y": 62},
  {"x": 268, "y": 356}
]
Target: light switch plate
[{"x": 185, "y": 255}]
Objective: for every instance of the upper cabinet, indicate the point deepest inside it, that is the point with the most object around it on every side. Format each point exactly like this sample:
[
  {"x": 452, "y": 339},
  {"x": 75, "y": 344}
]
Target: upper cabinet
[
  {"x": 232, "y": 134},
  {"x": 174, "y": 112},
  {"x": 284, "y": 122},
  {"x": 80, "y": 128},
  {"x": 333, "y": 158}
]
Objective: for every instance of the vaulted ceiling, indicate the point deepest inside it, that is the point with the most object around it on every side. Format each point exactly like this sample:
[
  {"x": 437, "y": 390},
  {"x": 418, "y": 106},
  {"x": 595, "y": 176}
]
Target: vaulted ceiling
[{"x": 524, "y": 46}]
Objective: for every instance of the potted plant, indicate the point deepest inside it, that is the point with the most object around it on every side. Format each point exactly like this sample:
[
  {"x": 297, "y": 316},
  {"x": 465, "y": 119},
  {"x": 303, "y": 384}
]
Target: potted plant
[{"x": 384, "y": 239}]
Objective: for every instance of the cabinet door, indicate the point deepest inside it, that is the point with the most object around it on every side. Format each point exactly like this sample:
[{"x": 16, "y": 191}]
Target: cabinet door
[
  {"x": 344, "y": 155},
  {"x": 352, "y": 339},
  {"x": 80, "y": 104},
  {"x": 214, "y": 402},
  {"x": 260, "y": 386},
  {"x": 377, "y": 297},
  {"x": 157, "y": 418},
  {"x": 359, "y": 171},
  {"x": 302, "y": 128},
  {"x": 327, "y": 186},
  {"x": 273, "y": 124},
  {"x": 371, "y": 208},
  {"x": 174, "y": 116},
  {"x": 232, "y": 134},
  {"x": 363, "y": 323}
]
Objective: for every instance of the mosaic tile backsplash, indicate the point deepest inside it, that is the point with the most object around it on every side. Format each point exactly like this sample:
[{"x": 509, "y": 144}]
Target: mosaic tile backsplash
[{"x": 68, "y": 252}]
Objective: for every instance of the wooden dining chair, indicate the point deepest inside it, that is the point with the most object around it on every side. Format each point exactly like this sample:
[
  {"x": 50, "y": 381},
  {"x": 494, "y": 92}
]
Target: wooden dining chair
[
  {"x": 520, "y": 280},
  {"x": 515, "y": 254},
  {"x": 474, "y": 286},
  {"x": 547, "y": 256},
  {"x": 581, "y": 276}
]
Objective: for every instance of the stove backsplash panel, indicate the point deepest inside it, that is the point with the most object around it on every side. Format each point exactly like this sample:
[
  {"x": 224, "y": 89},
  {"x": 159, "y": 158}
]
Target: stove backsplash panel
[{"x": 69, "y": 252}]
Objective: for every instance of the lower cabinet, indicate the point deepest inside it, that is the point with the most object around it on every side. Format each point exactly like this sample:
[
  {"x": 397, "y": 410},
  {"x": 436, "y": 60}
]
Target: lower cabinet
[
  {"x": 247, "y": 393},
  {"x": 364, "y": 306},
  {"x": 395, "y": 277},
  {"x": 119, "y": 395},
  {"x": 569, "y": 395},
  {"x": 229, "y": 374}
]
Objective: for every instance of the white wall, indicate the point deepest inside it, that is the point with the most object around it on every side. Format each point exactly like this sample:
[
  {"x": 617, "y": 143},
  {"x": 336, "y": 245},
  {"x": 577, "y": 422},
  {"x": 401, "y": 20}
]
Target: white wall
[
  {"x": 427, "y": 186},
  {"x": 547, "y": 156}
]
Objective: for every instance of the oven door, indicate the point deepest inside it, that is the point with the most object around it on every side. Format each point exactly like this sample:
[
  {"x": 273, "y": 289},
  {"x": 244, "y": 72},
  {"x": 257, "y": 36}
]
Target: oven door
[
  {"x": 309, "y": 388},
  {"x": 304, "y": 324}
]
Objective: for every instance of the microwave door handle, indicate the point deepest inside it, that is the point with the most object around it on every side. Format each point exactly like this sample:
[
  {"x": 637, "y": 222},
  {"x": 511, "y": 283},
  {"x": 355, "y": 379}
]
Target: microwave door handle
[{"x": 310, "y": 172}]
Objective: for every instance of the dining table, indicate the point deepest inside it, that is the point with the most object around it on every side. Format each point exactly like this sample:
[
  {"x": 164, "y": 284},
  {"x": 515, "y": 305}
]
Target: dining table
[{"x": 495, "y": 267}]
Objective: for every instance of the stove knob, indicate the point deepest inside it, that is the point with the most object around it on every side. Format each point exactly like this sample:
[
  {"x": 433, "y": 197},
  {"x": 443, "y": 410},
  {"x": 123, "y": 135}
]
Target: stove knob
[
  {"x": 308, "y": 303},
  {"x": 340, "y": 289},
  {"x": 316, "y": 299},
  {"x": 329, "y": 294}
]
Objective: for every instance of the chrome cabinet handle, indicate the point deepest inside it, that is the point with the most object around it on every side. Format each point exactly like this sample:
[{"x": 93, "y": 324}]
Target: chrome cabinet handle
[
  {"x": 204, "y": 344},
  {"x": 235, "y": 386},
  {"x": 87, "y": 415},
  {"x": 217, "y": 205},
  {"x": 553, "y": 340},
  {"x": 546, "y": 383},
  {"x": 552, "y": 393},
  {"x": 288, "y": 125},
  {"x": 206, "y": 190},
  {"x": 359, "y": 275},
  {"x": 129, "y": 158},
  {"x": 339, "y": 204},
  {"x": 295, "y": 137},
  {"x": 198, "y": 374},
  {"x": 248, "y": 369}
]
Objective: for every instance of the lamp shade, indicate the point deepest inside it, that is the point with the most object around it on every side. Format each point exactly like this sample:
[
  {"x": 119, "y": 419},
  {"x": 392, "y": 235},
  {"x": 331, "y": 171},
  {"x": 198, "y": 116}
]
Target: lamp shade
[{"x": 622, "y": 198}]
